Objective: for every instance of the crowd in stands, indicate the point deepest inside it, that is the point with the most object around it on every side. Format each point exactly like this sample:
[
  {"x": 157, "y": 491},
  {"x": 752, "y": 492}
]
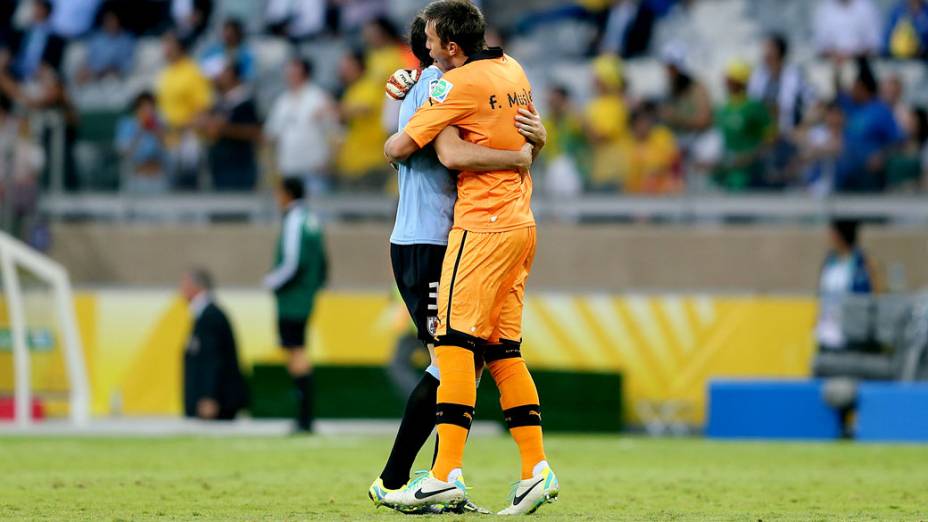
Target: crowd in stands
[{"x": 200, "y": 125}]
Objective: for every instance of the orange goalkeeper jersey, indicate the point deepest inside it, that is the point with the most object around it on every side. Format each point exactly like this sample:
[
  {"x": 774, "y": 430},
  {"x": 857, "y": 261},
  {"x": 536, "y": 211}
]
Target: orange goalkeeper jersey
[{"x": 482, "y": 98}]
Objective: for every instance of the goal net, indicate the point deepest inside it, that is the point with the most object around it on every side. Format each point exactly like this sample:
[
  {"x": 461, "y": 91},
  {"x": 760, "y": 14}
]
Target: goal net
[{"x": 41, "y": 356}]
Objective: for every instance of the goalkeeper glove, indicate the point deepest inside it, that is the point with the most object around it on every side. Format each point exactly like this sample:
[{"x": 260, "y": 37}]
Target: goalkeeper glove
[{"x": 400, "y": 82}]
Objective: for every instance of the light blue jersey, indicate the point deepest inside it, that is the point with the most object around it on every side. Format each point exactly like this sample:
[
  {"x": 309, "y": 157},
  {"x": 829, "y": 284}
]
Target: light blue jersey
[{"x": 427, "y": 189}]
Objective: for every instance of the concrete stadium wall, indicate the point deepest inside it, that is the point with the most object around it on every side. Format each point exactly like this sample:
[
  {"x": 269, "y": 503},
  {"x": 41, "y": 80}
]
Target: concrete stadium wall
[{"x": 600, "y": 258}]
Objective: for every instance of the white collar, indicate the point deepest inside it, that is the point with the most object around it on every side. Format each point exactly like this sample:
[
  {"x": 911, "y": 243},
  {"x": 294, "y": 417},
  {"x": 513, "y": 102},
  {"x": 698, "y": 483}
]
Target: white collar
[{"x": 199, "y": 303}]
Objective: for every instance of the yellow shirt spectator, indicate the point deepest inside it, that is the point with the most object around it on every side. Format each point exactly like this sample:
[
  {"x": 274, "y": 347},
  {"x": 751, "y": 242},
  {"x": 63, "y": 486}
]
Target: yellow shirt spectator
[
  {"x": 381, "y": 62},
  {"x": 362, "y": 148},
  {"x": 183, "y": 92},
  {"x": 650, "y": 162},
  {"x": 606, "y": 125}
]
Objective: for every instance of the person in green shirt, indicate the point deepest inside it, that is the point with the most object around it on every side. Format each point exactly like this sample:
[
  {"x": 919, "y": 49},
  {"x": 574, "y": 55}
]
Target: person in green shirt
[
  {"x": 300, "y": 271},
  {"x": 747, "y": 129}
]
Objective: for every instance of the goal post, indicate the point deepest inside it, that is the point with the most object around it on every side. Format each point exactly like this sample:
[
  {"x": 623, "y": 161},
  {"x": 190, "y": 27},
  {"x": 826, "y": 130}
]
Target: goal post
[{"x": 15, "y": 254}]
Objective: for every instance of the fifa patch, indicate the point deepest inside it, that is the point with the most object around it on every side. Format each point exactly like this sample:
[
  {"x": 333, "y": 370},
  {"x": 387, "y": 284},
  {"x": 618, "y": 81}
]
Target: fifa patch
[{"x": 440, "y": 89}]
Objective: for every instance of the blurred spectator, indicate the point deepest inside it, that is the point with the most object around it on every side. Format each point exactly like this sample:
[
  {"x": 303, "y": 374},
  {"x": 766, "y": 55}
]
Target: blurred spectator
[
  {"x": 688, "y": 109},
  {"x": 139, "y": 140},
  {"x": 630, "y": 24},
  {"x": 300, "y": 124},
  {"x": 191, "y": 17},
  {"x": 906, "y": 33},
  {"x": 386, "y": 50},
  {"x": 566, "y": 153},
  {"x": 906, "y": 167},
  {"x": 847, "y": 270},
  {"x": 110, "y": 51},
  {"x": 21, "y": 161},
  {"x": 360, "y": 158},
  {"x": 231, "y": 49},
  {"x": 352, "y": 15},
  {"x": 781, "y": 85},
  {"x": 820, "y": 146},
  {"x": 847, "y": 28},
  {"x": 620, "y": 17},
  {"x": 892, "y": 92},
  {"x": 48, "y": 101},
  {"x": 298, "y": 19},
  {"x": 606, "y": 124},
  {"x": 214, "y": 388},
  {"x": 747, "y": 130},
  {"x": 183, "y": 93},
  {"x": 651, "y": 157},
  {"x": 870, "y": 134},
  {"x": 73, "y": 18},
  {"x": 234, "y": 129},
  {"x": 36, "y": 44}
]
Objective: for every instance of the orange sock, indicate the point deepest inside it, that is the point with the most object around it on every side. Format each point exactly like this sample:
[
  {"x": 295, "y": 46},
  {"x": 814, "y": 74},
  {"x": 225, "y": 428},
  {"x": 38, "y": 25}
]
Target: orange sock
[
  {"x": 531, "y": 447},
  {"x": 519, "y": 399},
  {"x": 451, "y": 442},
  {"x": 457, "y": 396}
]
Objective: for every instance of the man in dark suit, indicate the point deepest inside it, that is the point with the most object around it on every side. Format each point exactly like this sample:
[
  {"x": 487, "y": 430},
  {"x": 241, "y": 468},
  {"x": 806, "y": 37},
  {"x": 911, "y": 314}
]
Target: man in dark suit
[{"x": 213, "y": 385}]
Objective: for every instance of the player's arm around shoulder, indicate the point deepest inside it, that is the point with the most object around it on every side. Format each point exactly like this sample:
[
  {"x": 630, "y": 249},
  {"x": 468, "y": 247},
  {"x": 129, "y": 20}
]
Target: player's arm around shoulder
[{"x": 456, "y": 154}]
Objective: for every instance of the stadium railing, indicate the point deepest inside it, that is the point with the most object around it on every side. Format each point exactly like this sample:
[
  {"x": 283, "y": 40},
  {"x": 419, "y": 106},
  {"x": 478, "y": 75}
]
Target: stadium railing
[{"x": 260, "y": 207}]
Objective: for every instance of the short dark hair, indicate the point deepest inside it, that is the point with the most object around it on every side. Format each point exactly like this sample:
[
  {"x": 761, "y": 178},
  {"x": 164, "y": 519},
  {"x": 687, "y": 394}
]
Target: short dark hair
[
  {"x": 293, "y": 187},
  {"x": 142, "y": 97},
  {"x": 779, "y": 42},
  {"x": 561, "y": 90},
  {"x": 458, "y": 21},
  {"x": 387, "y": 26},
  {"x": 202, "y": 278},
  {"x": 417, "y": 41},
  {"x": 47, "y": 4},
  {"x": 866, "y": 76},
  {"x": 304, "y": 64},
  {"x": 846, "y": 230},
  {"x": 236, "y": 25},
  {"x": 183, "y": 43}
]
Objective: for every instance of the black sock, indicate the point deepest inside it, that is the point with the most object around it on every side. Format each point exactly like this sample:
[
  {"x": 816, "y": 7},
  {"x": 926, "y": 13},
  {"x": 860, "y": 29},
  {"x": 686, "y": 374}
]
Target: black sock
[
  {"x": 415, "y": 428},
  {"x": 304, "y": 392}
]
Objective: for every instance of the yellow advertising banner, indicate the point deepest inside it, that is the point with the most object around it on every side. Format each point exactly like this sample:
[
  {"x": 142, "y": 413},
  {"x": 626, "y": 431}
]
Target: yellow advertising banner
[{"x": 666, "y": 346}]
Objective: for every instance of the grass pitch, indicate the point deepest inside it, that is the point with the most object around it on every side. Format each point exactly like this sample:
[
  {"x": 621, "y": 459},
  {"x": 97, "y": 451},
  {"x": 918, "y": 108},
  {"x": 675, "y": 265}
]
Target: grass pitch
[{"x": 326, "y": 478}]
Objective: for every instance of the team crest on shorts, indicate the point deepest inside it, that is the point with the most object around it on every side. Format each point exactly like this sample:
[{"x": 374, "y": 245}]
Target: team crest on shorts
[
  {"x": 440, "y": 89},
  {"x": 432, "y": 324}
]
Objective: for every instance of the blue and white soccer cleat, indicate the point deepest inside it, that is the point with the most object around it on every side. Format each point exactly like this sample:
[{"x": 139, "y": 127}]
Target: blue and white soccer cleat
[
  {"x": 427, "y": 494},
  {"x": 530, "y": 494},
  {"x": 377, "y": 491}
]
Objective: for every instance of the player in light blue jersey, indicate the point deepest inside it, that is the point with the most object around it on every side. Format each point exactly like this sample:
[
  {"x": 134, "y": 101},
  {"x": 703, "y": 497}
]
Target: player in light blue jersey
[{"x": 427, "y": 193}]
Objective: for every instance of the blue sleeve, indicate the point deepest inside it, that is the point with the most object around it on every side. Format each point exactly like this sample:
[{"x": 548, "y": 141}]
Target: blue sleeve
[
  {"x": 247, "y": 63},
  {"x": 125, "y": 132},
  {"x": 891, "y": 128},
  {"x": 127, "y": 55}
]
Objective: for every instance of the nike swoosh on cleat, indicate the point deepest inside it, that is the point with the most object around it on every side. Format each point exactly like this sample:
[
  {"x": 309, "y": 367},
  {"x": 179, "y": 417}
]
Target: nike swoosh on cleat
[
  {"x": 519, "y": 498},
  {"x": 419, "y": 494}
]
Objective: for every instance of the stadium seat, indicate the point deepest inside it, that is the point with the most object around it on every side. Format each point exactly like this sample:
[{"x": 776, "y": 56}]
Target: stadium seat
[
  {"x": 889, "y": 411},
  {"x": 771, "y": 410}
]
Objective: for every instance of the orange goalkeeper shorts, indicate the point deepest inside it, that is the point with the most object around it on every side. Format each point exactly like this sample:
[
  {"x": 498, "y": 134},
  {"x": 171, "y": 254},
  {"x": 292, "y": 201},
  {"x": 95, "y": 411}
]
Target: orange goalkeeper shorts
[{"x": 482, "y": 288}]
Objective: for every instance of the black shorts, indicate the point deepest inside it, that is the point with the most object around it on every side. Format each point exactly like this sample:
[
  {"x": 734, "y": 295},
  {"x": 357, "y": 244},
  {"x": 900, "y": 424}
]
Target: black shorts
[
  {"x": 417, "y": 269},
  {"x": 292, "y": 333}
]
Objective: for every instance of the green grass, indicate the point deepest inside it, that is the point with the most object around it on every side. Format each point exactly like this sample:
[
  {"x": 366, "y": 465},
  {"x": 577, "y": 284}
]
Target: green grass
[{"x": 602, "y": 478}]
